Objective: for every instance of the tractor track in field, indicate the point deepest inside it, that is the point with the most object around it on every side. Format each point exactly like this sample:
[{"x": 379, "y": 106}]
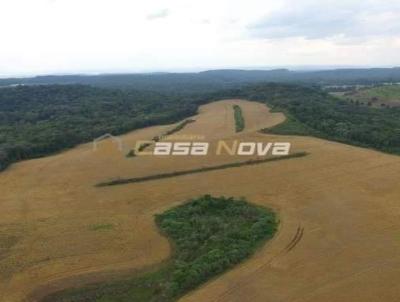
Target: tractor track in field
[
  {"x": 296, "y": 239},
  {"x": 290, "y": 246}
]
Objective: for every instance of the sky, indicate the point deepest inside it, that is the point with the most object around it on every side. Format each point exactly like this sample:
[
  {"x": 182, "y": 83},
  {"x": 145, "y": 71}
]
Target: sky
[{"x": 112, "y": 36}]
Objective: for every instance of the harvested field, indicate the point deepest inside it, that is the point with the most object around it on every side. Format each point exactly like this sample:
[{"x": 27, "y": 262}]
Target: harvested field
[
  {"x": 339, "y": 210},
  {"x": 204, "y": 233}
]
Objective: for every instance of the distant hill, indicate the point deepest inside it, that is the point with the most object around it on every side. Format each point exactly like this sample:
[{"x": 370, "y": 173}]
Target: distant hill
[{"x": 216, "y": 79}]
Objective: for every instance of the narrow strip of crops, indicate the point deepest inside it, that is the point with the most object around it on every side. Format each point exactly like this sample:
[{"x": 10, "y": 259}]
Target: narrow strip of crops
[
  {"x": 179, "y": 127},
  {"x": 157, "y": 138},
  {"x": 122, "y": 181},
  {"x": 239, "y": 119},
  {"x": 210, "y": 236}
]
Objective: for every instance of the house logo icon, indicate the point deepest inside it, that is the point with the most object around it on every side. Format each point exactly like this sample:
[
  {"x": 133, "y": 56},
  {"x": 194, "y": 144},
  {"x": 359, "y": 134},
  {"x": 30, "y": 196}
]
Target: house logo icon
[{"x": 116, "y": 139}]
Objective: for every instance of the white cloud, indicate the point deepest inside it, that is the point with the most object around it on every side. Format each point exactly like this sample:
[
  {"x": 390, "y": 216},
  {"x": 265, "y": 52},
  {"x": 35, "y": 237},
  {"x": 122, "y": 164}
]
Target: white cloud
[
  {"x": 327, "y": 19},
  {"x": 72, "y": 36},
  {"x": 158, "y": 14}
]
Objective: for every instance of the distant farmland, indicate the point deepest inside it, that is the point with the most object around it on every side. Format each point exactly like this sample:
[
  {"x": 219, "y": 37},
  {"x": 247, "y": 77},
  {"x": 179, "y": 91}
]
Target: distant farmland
[{"x": 379, "y": 96}]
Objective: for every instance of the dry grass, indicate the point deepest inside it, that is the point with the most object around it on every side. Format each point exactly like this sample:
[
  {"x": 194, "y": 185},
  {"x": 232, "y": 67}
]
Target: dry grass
[{"x": 343, "y": 199}]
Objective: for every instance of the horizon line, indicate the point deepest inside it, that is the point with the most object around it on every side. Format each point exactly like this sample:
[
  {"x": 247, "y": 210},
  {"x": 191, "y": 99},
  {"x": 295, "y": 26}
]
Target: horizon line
[{"x": 294, "y": 68}]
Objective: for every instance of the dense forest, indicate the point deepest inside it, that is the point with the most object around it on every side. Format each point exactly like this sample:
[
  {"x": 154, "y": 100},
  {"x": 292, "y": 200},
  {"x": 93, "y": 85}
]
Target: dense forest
[
  {"x": 311, "y": 111},
  {"x": 210, "y": 235},
  {"x": 42, "y": 119}
]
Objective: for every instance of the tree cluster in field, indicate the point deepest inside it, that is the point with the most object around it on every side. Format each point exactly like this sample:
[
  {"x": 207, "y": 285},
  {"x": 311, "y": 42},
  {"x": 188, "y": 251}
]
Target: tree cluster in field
[
  {"x": 210, "y": 235},
  {"x": 239, "y": 118}
]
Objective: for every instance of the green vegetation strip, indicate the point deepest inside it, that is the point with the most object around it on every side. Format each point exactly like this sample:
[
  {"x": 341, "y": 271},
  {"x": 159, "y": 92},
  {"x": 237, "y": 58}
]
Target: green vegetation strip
[
  {"x": 239, "y": 119},
  {"x": 210, "y": 236},
  {"x": 179, "y": 127},
  {"x": 157, "y": 138},
  {"x": 123, "y": 181},
  {"x": 101, "y": 227}
]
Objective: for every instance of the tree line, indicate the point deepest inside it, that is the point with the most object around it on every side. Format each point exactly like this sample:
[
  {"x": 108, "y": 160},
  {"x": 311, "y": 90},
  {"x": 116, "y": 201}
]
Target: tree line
[
  {"x": 312, "y": 111},
  {"x": 37, "y": 121}
]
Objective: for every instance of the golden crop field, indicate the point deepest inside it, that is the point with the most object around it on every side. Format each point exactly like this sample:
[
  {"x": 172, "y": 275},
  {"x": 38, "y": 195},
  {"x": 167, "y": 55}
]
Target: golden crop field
[{"x": 339, "y": 236}]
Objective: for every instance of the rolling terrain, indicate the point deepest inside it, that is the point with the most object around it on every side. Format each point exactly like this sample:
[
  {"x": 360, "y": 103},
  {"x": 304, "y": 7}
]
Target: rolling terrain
[
  {"x": 339, "y": 211},
  {"x": 215, "y": 79}
]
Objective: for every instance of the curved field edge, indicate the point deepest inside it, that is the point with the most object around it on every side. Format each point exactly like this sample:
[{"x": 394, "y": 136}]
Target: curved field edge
[
  {"x": 372, "y": 128},
  {"x": 209, "y": 234},
  {"x": 313, "y": 112},
  {"x": 293, "y": 126}
]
